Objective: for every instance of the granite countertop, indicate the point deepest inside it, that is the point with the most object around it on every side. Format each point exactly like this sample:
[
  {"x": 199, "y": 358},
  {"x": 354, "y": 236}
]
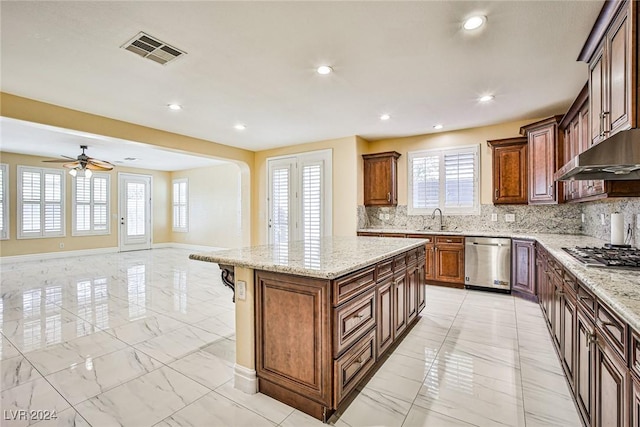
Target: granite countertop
[
  {"x": 618, "y": 288},
  {"x": 326, "y": 258}
]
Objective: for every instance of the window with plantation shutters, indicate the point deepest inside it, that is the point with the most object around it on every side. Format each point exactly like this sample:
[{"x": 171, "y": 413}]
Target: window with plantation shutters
[
  {"x": 4, "y": 201},
  {"x": 91, "y": 205},
  {"x": 299, "y": 198},
  {"x": 180, "y": 205},
  {"x": 446, "y": 179},
  {"x": 40, "y": 202}
]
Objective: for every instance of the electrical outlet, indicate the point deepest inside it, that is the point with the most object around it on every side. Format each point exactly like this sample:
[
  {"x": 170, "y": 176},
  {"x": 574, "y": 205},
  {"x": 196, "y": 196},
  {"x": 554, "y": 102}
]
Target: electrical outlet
[
  {"x": 638, "y": 221},
  {"x": 602, "y": 219},
  {"x": 386, "y": 216},
  {"x": 241, "y": 290},
  {"x": 380, "y": 216},
  {"x": 494, "y": 217},
  {"x": 510, "y": 218},
  {"x": 583, "y": 218},
  {"x": 61, "y": 245}
]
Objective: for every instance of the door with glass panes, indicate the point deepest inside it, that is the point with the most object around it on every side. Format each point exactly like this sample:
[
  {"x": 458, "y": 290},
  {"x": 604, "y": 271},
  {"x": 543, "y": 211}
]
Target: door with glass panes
[
  {"x": 135, "y": 212},
  {"x": 299, "y": 198}
]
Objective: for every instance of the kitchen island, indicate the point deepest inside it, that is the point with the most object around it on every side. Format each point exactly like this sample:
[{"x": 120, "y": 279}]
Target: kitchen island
[{"x": 315, "y": 317}]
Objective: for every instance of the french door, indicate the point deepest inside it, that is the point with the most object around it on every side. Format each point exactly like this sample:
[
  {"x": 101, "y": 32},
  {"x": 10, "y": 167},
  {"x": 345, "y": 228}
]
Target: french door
[
  {"x": 299, "y": 197},
  {"x": 134, "y": 212}
]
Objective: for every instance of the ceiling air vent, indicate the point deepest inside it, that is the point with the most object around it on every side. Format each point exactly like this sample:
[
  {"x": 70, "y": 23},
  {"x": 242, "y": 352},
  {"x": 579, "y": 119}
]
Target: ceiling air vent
[{"x": 151, "y": 48}]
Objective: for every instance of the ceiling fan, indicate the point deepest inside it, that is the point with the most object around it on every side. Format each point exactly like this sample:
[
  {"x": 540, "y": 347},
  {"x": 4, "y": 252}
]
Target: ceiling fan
[{"x": 83, "y": 164}]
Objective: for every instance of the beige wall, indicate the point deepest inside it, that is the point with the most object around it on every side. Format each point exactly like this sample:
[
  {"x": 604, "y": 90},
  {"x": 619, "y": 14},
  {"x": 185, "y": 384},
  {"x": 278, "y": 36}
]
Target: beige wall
[
  {"x": 472, "y": 136},
  {"x": 214, "y": 207},
  {"x": 345, "y": 185},
  {"x": 13, "y": 246}
]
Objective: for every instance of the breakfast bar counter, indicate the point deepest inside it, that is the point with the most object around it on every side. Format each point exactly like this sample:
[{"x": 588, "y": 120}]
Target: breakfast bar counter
[{"x": 315, "y": 317}]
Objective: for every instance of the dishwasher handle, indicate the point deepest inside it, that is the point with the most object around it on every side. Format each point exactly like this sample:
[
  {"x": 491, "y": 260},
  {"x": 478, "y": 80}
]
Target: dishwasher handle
[{"x": 488, "y": 244}]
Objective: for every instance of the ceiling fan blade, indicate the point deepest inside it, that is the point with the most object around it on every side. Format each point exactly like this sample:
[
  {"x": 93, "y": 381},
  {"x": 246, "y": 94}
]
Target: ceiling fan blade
[
  {"x": 71, "y": 165},
  {"x": 65, "y": 160},
  {"x": 101, "y": 164}
]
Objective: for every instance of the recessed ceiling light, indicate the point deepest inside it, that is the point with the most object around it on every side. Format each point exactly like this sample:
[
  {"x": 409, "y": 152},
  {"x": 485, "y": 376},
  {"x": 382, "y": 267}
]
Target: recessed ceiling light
[
  {"x": 438, "y": 126},
  {"x": 175, "y": 107},
  {"x": 324, "y": 69},
  {"x": 240, "y": 126},
  {"x": 474, "y": 22},
  {"x": 385, "y": 117},
  {"x": 486, "y": 98}
]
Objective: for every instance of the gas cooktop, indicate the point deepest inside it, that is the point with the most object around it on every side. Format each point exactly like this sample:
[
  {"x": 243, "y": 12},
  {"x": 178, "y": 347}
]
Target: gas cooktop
[{"x": 616, "y": 257}]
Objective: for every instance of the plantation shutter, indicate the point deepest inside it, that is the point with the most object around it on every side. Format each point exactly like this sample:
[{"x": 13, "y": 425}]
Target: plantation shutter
[
  {"x": 426, "y": 181},
  {"x": 460, "y": 176}
]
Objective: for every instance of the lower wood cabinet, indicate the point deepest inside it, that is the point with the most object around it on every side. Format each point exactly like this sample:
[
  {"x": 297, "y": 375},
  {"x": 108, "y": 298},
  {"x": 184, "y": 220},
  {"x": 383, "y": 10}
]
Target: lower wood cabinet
[
  {"x": 635, "y": 402},
  {"x": 611, "y": 386},
  {"x": 523, "y": 268},
  {"x": 568, "y": 338},
  {"x": 317, "y": 339},
  {"x": 449, "y": 259},
  {"x": 584, "y": 369}
]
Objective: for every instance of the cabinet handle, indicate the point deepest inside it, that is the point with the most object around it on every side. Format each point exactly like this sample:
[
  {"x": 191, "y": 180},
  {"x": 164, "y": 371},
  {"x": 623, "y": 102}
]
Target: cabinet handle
[
  {"x": 449, "y": 240},
  {"x": 560, "y": 293},
  {"x": 388, "y": 197},
  {"x": 496, "y": 193},
  {"x": 592, "y": 338},
  {"x": 584, "y": 297}
]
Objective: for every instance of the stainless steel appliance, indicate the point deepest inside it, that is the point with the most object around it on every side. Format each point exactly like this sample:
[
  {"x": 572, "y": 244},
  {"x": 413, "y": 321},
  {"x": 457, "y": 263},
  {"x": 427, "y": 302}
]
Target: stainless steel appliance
[
  {"x": 615, "y": 158},
  {"x": 615, "y": 257},
  {"x": 487, "y": 262}
]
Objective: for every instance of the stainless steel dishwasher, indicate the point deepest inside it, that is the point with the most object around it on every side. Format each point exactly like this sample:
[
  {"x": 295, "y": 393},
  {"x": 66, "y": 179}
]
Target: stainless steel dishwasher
[{"x": 487, "y": 262}]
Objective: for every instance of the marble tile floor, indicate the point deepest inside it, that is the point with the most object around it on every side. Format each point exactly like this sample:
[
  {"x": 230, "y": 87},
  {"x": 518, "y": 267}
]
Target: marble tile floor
[{"x": 147, "y": 339}]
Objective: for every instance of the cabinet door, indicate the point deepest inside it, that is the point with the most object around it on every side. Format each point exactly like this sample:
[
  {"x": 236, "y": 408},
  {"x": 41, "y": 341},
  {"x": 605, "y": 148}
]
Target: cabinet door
[
  {"x": 450, "y": 264},
  {"x": 542, "y": 165},
  {"x": 617, "y": 113},
  {"x": 412, "y": 293},
  {"x": 635, "y": 403},
  {"x": 523, "y": 268},
  {"x": 556, "y": 307},
  {"x": 399, "y": 303},
  {"x": 380, "y": 179},
  {"x": 429, "y": 267},
  {"x": 611, "y": 405},
  {"x": 597, "y": 96},
  {"x": 541, "y": 282},
  {"x": 568, "y": 338},
  {"x": 584, "y": 369},
  {"x": 422, "y": 297},
  {"x": 384, "y": 306},
  {"x": 510, "y": 174}
]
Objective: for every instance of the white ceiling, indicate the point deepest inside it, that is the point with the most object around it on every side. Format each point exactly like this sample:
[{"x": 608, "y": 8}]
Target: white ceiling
[{"x": 254, "y": 63}]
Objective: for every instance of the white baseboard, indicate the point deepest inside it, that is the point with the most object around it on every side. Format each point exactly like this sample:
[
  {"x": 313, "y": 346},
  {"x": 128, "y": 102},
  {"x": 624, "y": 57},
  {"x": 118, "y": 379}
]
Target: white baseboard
[
  {"x": 201, "y": 248},
  {"x": 245, "y": 379},
  {"x": 54, "y": 255}
]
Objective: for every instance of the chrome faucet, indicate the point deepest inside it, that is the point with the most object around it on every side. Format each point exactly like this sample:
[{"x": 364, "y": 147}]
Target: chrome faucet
[{"x": 433, "y": 216}]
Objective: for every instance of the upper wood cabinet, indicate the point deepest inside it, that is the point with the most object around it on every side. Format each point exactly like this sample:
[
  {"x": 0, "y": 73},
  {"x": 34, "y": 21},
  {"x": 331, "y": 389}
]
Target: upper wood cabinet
[
  {"x": 611, "y": 56},
  {"x": 380, "y": 179},
  {"x": 509, "y": 170},
  {"x": 545, "y": 152}
]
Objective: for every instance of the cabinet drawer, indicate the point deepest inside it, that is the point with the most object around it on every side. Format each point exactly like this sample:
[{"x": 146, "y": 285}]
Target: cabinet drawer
[
  {"x": 399, "y": 263},
  {"x": 614, "y": 329},
  {"x": 421, "y": 254},
  {"x": 384, "y": 270},
  {"x": 352, "y": 284},
  {"x": 449, "y": 240},
  {"x": 587, "y": 301},
  {"x": 412, "y": 257},
  {"x": 635, "y": 353},
  {"x": 570, "y": 284},
  {"x": 352, "y": 320},
  {"x": 352, "y": 366}
]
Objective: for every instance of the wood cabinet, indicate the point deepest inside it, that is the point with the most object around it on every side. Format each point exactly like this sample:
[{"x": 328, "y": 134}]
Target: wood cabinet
[
  {"x": 545, "y": 148},
  {"x": 584, "y": 369},
  {"x": 635, "y": 402},
  {"x": 449, "y": 259},
  {"x": 611, "y": 70},
  {"x": 523, "y": 268},
  {"x": 509, "y": 170},
  {"x": 577, "y": 139},
  {"x": 611, "y": 386},
  {"x": 317, "y": 339},
  {"x": 380, "y": 179}
]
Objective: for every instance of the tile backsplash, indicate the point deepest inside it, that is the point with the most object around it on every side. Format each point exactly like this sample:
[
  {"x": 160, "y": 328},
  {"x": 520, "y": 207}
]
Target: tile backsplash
[{"x": 563, "y": 219}]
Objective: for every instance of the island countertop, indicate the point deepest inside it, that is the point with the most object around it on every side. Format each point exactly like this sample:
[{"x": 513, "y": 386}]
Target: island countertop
[{"x": 326, "y": 258}]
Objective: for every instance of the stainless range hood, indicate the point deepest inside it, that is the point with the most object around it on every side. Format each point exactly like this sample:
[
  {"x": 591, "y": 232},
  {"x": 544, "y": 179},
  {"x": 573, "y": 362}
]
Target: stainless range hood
[{"x": 615, "y": 158}]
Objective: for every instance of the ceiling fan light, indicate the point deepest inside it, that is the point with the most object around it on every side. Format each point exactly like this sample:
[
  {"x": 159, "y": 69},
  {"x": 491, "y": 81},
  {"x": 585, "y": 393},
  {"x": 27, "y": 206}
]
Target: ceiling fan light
[
  {"x": 73, "y": 172},
  {"x": 87, "y": 173}
]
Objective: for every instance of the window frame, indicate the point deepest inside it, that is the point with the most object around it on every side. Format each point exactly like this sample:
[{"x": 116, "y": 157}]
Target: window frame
[
  {"x": 441, "y": 152},
  {"x": 74, "y": 205},
  {"x": 42, "y": 234},
  {"x": 178, "y": 228},
  {"x": 4, "y": 232}
]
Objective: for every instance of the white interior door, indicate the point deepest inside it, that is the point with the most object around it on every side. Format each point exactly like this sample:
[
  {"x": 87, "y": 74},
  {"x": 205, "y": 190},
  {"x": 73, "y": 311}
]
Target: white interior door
[{"x": 135, "y": 212}]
